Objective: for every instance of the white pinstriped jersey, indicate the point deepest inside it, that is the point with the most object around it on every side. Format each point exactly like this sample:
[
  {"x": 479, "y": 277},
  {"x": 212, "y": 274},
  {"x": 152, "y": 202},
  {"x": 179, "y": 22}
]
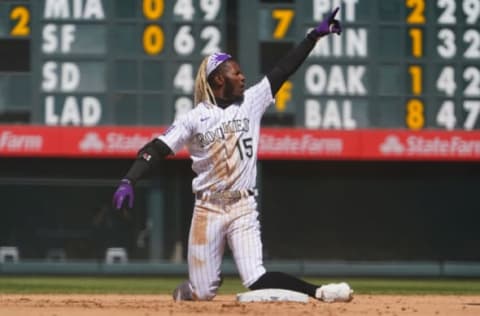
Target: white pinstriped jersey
[{"x": 222, "y": 143}]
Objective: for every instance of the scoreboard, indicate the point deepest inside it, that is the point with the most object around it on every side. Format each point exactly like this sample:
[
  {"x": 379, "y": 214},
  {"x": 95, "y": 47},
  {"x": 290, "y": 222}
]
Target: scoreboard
[
  {"x": 399, "y": 64},
  {"x": 97, "y": 62},
  {"x": 402, "y": 64}
]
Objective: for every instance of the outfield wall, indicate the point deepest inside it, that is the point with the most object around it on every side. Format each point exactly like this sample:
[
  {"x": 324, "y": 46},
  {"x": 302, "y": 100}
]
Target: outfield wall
[
  {"x": 299, "y": 268},
  {"x": 311, "y": 211}
]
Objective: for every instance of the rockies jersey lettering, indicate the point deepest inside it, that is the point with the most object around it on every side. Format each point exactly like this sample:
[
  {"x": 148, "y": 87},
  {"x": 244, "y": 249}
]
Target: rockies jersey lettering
[{"x": 229, "y": 127}]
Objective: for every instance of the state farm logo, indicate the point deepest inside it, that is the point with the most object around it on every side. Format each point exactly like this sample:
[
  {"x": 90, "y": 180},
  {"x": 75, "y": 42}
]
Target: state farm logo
[
  {"x": 112, "y": 142},
  {"x": 10, "y": 141},
  {"x": 304, "y": 144},
  {"x": 91, "y": 142},
  {"x": 392, "y": 145},
  {"x": 430, "y": 145}
]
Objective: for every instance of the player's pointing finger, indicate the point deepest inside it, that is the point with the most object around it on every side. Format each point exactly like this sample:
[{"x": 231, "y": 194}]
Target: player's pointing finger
[{"x": 333, "y": 14}]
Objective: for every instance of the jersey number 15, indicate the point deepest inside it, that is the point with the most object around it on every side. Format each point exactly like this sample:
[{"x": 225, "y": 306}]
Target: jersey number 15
[{"x": 245, "y": 147}]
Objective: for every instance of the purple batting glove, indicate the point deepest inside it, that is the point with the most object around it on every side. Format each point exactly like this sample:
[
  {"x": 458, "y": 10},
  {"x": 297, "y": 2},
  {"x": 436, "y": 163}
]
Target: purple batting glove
[
  {"x": 124, "y": 191},
  {"x": 329, "y": 25}
]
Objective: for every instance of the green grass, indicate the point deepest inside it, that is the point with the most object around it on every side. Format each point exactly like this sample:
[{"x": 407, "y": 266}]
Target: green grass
[
  {"x": 159, "y": 285},
  {"x": 104, "y": 285}
]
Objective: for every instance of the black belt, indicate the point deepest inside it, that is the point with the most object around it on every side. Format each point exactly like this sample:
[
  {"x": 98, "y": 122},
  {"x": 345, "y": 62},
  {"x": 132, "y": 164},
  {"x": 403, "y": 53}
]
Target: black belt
[{"x": 225, "y": 195}]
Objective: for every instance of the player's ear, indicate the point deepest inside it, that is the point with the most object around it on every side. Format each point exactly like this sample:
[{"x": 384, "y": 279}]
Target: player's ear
[{"x": 218, "y": 80}]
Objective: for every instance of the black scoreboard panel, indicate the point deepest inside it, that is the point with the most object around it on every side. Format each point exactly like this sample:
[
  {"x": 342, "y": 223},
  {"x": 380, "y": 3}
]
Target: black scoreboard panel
[
  {"x": 96, "y": 62},
  {"x": 122, "y": 62},
  {"x": 15, "y": 66},
  {"x": 409, "y": 64}
]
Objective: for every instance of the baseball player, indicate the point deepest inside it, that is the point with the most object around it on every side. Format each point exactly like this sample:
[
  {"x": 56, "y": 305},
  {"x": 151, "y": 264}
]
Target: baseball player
[{"x": 221, "y": 134}]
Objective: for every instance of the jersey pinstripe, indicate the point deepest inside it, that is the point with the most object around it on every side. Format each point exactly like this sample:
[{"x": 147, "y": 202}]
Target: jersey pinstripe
[{"x": 222, "y": 143}]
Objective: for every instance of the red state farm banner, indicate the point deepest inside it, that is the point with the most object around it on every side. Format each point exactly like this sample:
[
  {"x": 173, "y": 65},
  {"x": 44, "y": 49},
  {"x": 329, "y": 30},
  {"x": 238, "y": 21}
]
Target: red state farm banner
[
  {"x": 121, "y": 142},
  {"x": 31, "y": 141},
  {"x": 425, "y": 145},
  {"x": 275, "y": 143},
  {"x": 285, "y": 143}
]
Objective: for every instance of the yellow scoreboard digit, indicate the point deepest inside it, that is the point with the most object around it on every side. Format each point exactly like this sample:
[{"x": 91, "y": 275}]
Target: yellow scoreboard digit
[
  {"x": 20, "y": 18},
  {"x": 415, "y": 108},
  {"x": 284, "y": 18},
  {"x": 153, "y": 35}
]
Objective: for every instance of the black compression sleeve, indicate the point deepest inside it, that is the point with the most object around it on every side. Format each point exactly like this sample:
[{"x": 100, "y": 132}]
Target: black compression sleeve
[
  {"x": 147, "y": 157},
  {"x": 290, "y": 63},
  {"x": 139, "y": 168}
]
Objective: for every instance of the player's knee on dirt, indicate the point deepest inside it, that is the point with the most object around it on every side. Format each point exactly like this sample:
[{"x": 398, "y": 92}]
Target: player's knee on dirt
[
  {"x": 204, "y": 293},
  {"x": 204, "y": 296},
  {"x": 207, "y": 291}
]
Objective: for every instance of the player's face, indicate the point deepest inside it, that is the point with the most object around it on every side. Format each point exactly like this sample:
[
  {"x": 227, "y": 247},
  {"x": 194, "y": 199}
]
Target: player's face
[{"x": 234, "y": 82}]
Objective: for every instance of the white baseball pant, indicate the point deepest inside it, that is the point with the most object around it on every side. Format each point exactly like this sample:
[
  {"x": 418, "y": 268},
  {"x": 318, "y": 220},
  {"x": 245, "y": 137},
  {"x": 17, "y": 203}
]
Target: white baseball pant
[{"x": 213, "y": 224}]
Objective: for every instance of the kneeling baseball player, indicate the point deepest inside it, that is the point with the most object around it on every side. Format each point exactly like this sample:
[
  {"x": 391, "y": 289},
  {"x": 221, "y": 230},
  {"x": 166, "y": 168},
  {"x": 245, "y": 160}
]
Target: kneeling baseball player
[{"x": 221, "y": 134}]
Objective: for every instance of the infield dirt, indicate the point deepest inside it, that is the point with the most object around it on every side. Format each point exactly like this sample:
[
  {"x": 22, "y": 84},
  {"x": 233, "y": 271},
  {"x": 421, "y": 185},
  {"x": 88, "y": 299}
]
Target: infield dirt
[{"x": 149, "y": 305}]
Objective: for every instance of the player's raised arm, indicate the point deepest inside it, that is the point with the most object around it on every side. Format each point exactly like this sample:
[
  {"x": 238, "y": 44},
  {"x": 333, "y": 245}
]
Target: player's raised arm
[{"x": 290, "y": 63}]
